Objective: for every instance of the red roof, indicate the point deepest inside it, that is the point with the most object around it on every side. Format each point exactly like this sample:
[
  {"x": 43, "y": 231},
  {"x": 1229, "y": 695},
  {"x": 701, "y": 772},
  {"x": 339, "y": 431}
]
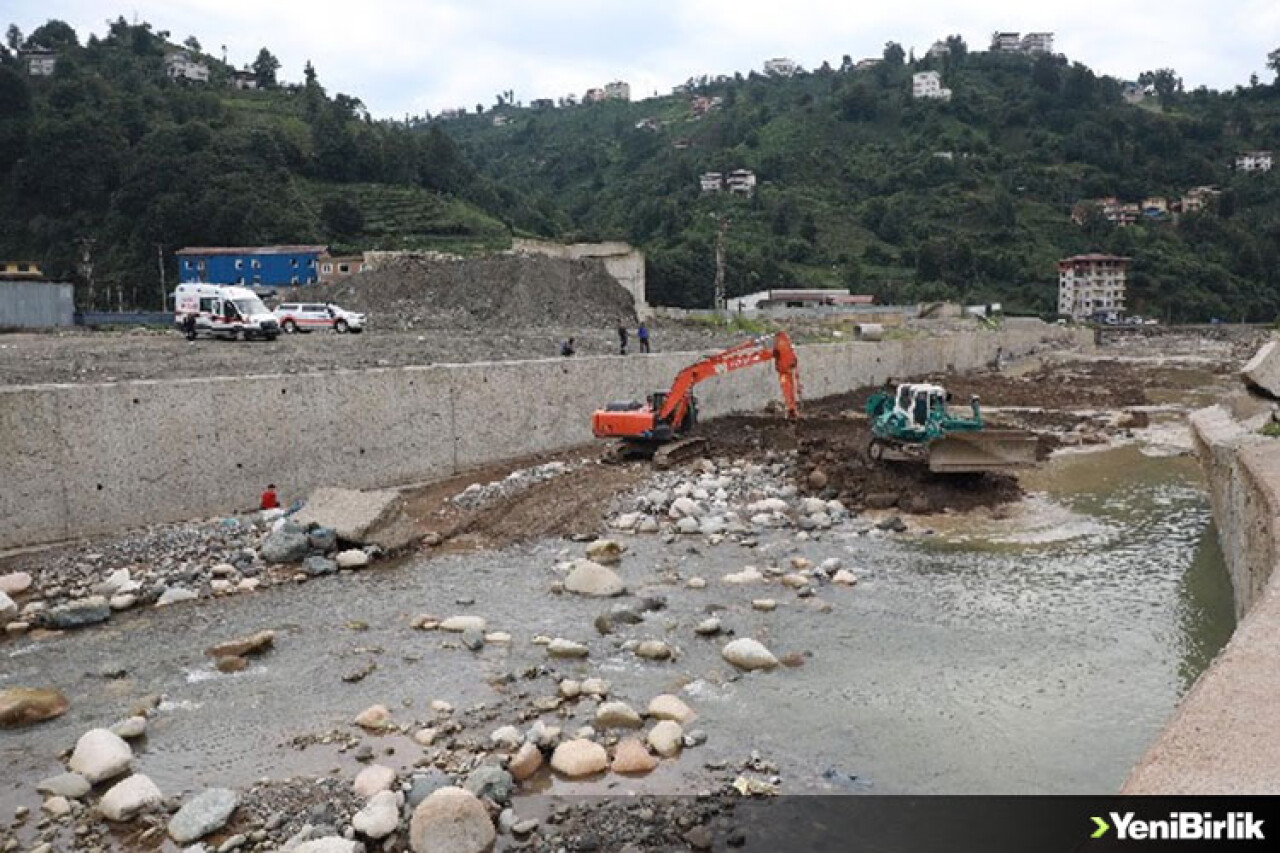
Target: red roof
[{"x": 252, "y": 250}]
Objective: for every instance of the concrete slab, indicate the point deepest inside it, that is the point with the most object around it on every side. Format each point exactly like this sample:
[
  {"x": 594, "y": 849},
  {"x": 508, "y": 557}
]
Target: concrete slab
[
  {"x": 1263, "y": 370},
  {"x": 356, "y": 516}
]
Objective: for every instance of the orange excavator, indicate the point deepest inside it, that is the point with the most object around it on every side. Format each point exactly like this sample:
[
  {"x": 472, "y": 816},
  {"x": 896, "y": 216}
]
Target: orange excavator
[{"x": 657, "y": 427}]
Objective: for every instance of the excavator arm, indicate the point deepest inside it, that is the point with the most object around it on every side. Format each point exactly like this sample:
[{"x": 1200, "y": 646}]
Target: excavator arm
[{"x": 776, "y": 348}]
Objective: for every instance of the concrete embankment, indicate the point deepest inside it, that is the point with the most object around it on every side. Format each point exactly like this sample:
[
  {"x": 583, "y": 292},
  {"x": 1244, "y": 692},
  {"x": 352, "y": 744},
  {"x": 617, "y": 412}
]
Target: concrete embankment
[
  {"x": 89, "y": 459},
  {"x": 1223, "y": 738}
]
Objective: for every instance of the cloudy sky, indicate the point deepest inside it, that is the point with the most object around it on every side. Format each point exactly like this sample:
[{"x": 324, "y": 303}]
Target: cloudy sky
[{"x": 415, "y": 57}]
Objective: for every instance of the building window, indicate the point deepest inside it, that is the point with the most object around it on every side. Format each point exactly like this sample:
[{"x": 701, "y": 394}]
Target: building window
[
  {"x": 186, "y": 264},
  {"x": 240, "y": 280},
  {"x": 257, "y": 265},
  {"x": 24, "y": 267},
  {"x": 344, "y": 268},
  {"x": 293, "y": 280},
  {"x": 293, "y": 262},
  {"x": 312, "y": 263},
  {"x": 327, "y": 268},
  {"x": 239, "y": 264}
]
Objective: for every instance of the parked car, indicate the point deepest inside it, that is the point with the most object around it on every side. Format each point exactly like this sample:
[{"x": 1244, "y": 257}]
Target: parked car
[{"x": 309, "y": 316}]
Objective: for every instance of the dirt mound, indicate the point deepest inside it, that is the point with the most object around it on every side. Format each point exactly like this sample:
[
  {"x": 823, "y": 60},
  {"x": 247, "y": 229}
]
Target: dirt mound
[{"x": 503, "y": 291}]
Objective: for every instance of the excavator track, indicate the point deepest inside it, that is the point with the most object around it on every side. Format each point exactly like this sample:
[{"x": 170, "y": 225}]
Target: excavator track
[{"x": 678, "y": 451}]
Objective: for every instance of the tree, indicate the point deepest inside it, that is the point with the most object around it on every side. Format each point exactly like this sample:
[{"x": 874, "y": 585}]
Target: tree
[
  {"x": 894, "y": 54},
  {"x": 1273, "y": 62},
  {"x": 1165, "y": 81},
  {"x": 957, "y": 50},
  {"x": 342, "y": 217},
  {"x": 265, "y": 68},
  {"x": 13, "y": 37},
  {"x": 192, "y": 43},
  {"x": 54, "y": 35}
]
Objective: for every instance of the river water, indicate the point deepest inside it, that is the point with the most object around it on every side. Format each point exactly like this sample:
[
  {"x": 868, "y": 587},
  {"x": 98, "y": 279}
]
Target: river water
[{"x": 1037, "y": 652}]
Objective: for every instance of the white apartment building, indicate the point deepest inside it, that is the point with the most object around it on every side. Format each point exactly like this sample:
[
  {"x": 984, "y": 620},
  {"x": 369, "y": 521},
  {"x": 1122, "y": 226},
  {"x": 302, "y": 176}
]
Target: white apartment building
[
  {"x": 40, "y": 62},
  {"x": 1037, "y": 43},
  {"x": 928, "y": 84},
  {"x": 1253, "y": 161},
  {"x": 741, "y": 181},
  {"x": 1091, "y": 286},
  {"x": 1006, "y": 42},
  {"x": 618, "y": 91},
  {"x": 780, "y": 67},
  {"x": 711, "y": 182},
  {"x": 180, "y": 66}
]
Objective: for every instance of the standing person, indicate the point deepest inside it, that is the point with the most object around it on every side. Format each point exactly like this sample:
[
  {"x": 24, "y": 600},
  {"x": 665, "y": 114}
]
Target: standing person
[
  {"x": 566, "y": 348},
  {"x": 642, "y": 335},
  {"x": 270, "y": 500},
  {"x": 189, "y": 325},
  {"x": 622, "y": 339}
]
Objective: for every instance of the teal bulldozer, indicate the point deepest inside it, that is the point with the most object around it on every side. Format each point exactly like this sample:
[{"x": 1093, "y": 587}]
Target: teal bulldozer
[{"x": 914, "y": 424}]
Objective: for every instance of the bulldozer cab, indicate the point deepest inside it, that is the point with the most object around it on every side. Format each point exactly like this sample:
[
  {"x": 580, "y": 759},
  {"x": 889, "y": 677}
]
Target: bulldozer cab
[{"x": 921, "y": 404}]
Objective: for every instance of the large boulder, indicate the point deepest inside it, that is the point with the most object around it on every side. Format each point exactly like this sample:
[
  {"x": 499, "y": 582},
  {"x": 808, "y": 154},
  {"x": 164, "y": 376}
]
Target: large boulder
[
  {"x": 22, "y": 705},
  {"x": 285, "y": 546},
  {"x": 608, "y": 552},
  {"x": 668, "y": 707},
  {"x": 380, "y": 817},
  {"x": 79, "y": 613},
  {"x": 203, "y": 814},
  {"x": 451, "y": 820},
  {"x": 1263, "y": 370},
  {"x": 124, "y": 800},
  {"x": 8, "y": 609},
  {"x": 237, "y": 648},
  {"x": 617, "y": 715},
  {"x": 575, "y": 758},
  {"x": 364, "y": 518},
  {"x": 459, "y": 624},
  {"x": 746, "y": 653},
  {"x": 328, "y": 844},
  {"x": 374, "y": 779},
  {"x": 70, "y": 785},
  {"x": 666, "y": 738},
  {"x": 593, "y": 579},
  {"x": 15, "y": 583},
  {"x": 631, "y": 756},
  {"x": 525, "y": 762},
  {"x": 100, "y": 754}
]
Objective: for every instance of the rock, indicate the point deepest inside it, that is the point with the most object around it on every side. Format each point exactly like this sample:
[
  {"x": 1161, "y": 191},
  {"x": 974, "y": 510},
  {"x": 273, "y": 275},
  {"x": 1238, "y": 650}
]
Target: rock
[
  {"x": 285, "y": 546},
  {"x": 56, "y": 807},
  {"x": 542, "y": 735},
  {"x": 748, "y": 575},
  {"x": 328, "y": 844},
  {"x": 617, "y": 715},
  {"x": 130, "y": 728},
  {"x": 122, "y": 602},
  {"x": 473, "y": 639},
  {"x": 688, "y": 525},
  {"x": 881, "y": 500},
  {"x": 699, "y": 838},
  {"x": 708, "y": 627},
  {"x": 317, "y": 566},
  {"x": 490, "y": 781},
  {"x": 79, "y": 613},
  {"x": 175, "y": 595},
  {"x": 570, "y": 688},
  {"x": 653, "y": 650},
  {"x": 426, "y": 737},
  {"x": 118, "y": 581},
  {"x": 764, "y": 604},
  {"x": 124, "y": 800},
  {"x": 818, "y": 479},
  {"x": 684, "y": 507},
  {"x": 1263, "y": 370},
  {"x": 20, "y": 706},
  {"x": 525, "y": 762},
  {"x": 373, "y": 718},
  {"x": 1132, "y": 420},
  {"x": 668, "y": 707},
  {"x": 229, "y": 665},
  {"x": 323, "y": 538},
  {"x": 251, "y": 645},
  {"x": 794, "y": 580},
  {"x": 373, "y": 780},
  {"x": 696, "y": 583},
  {"x": 441, "y": 707},
  {"x": 355, "y": 516},
  {"x": 352, "y": 558},
  {"x": 748, "y": 654},
  {"x": 894, "y": 523},
  {"x": 8, "y": 609},
  {"x": 458, "y": 624},
  {"x": 648, "y": 524},
  {"x": 451, "y": 820},
  {"x": 593, "y": 579},
  {"x": 596, "y": 687},
  {"x": 379, "y": 818},
  {"x": 608, "y": 552},
  {"x": 845, "y": 577},
  {"x": 562, "y": 648},
  {"x": 497, "y": 637},
  {"x": 207, "y": 812},
  {"x": 631, "y": 756},
  {"x": 71, "y": 785},
  {"x": 15, "y": 583},
  {"x": 666, "y": 738},
  {"x": 626, "y": 521},
  {"x": 100, "y": 755},
  {"x": 425, "y": 783},
  {"x": 507, "y": 737},
  {"x": 576, "y": 758}
]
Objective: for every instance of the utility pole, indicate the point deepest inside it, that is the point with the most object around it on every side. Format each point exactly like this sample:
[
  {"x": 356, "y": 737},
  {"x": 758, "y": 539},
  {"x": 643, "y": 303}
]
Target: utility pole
[
  {"x": 721, "y": 229},
  {"x": 164, "y": 291},
  {"x": 86, "y": 267}
]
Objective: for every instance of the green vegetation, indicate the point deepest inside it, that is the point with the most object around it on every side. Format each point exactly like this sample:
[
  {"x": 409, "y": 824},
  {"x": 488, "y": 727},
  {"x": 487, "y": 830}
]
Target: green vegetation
[
  {"x": 1271, "y": 429},
  {"x": 110, "y": 159},
  {"x": 862, "y": 187}
]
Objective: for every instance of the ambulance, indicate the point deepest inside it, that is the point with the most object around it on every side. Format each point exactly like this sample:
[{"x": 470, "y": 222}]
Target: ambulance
[{"x": 224, "y": 311}]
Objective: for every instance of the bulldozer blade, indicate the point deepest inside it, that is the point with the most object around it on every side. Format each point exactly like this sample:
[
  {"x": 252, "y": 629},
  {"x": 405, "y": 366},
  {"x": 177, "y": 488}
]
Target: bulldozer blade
[
  {"x": 678, "y": 451},
  {"x": 982, "y": 451}
]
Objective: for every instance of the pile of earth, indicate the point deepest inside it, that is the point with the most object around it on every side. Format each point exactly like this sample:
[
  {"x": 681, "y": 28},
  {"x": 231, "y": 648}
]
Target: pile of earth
[{"x": 498, "y": 291}]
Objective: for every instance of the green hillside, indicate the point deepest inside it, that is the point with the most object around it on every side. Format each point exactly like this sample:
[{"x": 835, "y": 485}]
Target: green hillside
[
  {"x": 864, "y": 187},
  {"x": 110, "y": 156}
]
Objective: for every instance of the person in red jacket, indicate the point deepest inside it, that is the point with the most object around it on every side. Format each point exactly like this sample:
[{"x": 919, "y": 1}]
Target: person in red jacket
[{"x": 270, "y": 500}]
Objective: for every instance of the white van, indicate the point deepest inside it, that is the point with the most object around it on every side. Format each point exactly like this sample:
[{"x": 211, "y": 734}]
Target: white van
[{"x": 225, "y": 311}]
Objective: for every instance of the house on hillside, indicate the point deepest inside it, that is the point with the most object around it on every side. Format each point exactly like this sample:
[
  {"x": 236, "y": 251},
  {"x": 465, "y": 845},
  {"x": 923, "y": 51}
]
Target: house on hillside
[
  {"x": 939, "y": 50},
  {"x": 244, "y": 79},
  {"x": 618, "y": 90},
  {"x": 741, "y": 181},
  {"x": 781, "y": 67},
  {"x": 1006, "y": 42},
  {"x": 252, "y": 266},
  {"x": 711, "y": 182},
  {"x": 1092, "y": 286},
  {"x": 1197, "y": 199},
  {"x": 593, "y": 96},
  {"x": 40, "y": 61},
  {"x": 180, "y": 66},
  {"x": 20, "y": 271},
  {"x": 1253, "y": 161},
  {"x": 1133, "y": 93},
  {"x": 1036, "y": 44},
  {"x": 334, "y": 268},
  {"x": 928, "y": 84},
  {"x": 1155, "y": 207},
  {"x": 867, "y": 64},
  {"x": 542, "y": 104}
]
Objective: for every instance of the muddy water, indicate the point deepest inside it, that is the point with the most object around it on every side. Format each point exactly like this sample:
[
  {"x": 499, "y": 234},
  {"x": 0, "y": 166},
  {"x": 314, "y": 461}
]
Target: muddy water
[{"x": 1035, "y": 653}]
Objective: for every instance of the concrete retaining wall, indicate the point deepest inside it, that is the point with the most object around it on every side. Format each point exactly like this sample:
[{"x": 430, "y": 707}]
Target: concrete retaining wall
[
  {"x": 35, "y": 305},
  {"x": 91, "y": 459},
  {"x": 1222, "y": 739}
]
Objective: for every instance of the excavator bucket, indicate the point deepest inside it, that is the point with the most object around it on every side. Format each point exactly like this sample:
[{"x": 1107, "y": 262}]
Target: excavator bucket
[{"x": 983, "y": 450}]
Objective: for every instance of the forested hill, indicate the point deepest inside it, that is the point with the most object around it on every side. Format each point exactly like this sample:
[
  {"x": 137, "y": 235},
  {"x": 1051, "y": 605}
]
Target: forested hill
[
  {"x": 864, "y": 187},
  {"x": 110, "y": 155}
]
